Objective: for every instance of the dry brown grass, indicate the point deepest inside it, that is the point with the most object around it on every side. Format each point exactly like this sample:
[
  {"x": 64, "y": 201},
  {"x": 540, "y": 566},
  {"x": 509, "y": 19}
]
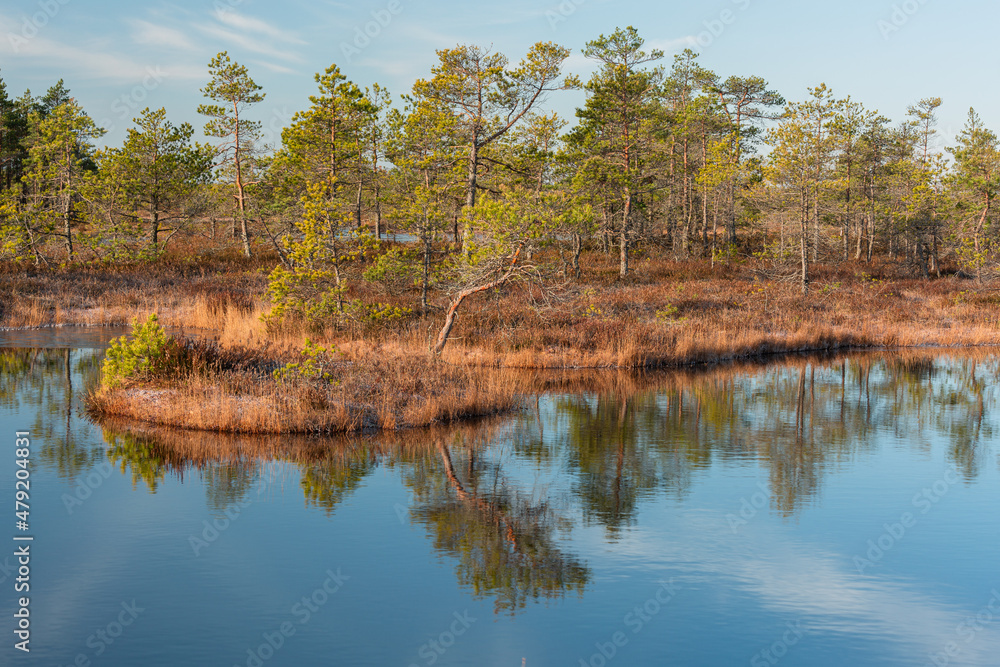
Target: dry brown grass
[
  {"x": 25, "y": 314},
  {"x": 97, "y": 296},
  {"x": 369, "y": 391},
  {"x": 684, "y": 320},
  {"x": 669, "y": 314}
]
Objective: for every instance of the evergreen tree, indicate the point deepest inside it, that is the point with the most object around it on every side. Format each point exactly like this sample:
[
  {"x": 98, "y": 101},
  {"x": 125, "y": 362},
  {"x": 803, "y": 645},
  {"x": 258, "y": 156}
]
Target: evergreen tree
[
  {"x": 150, "y": 179},
  {"x": 617, "y": 125},
  {"x": 60, "y": 151},
  {"x": 233, "y": 92},
  {"x": 326, "y": 144},
  {"x": 489, "y": 98},
  {"x": 800, "y": 165},
  {"x": 426, "y": 190},
  {"x": 56, "y": 95},
  {"x": 746, "y": 102},
  {"x": 8, "y": 138},
  {"x": 976, "y": 180},
  {"x": 691, "y": 104}
]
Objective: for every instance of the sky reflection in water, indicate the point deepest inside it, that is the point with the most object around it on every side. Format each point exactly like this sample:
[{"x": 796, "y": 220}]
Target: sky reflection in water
[{"x": 772, "y": 500}]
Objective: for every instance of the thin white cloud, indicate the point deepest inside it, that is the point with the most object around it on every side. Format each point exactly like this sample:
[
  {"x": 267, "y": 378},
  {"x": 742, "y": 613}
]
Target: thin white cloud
[
  {"x": 510, "y": 16},
  {"x": 280, "y": 69},
  {"x": 424, "y": 34},
  {"x": 671, "y": 46},
  {"x": 249, "y": 43},
  {"x": 579, "y": 64},
  {"x": 402, "y": 68},
  {"x": 89, "y": 61},
  {"x": 248, "y": 23},
  {"x": 150, "y": 34},
  {"x": 820, "y": 588}
]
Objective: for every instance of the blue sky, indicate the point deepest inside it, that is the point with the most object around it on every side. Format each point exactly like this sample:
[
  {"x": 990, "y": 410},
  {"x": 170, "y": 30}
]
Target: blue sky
[{"x": 118, "y": 57}]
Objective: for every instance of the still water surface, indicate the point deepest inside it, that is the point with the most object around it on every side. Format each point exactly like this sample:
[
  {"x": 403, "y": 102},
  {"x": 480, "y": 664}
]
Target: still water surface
[{"x": 817, "y": 512}]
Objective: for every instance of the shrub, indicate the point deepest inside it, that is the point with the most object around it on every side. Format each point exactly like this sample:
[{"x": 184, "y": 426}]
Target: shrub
[
  {"x": 376, "y": 313},
  {"x": 316, "y": 363},
  {"x": 139, "y": 356},
  {"x": 668, "y": 315}
]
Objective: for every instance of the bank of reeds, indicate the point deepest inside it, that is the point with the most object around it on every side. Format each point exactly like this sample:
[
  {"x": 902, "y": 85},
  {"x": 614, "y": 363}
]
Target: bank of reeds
[
  {"x": 235, "y": 390},
  {"x": 669, "y": 314}
]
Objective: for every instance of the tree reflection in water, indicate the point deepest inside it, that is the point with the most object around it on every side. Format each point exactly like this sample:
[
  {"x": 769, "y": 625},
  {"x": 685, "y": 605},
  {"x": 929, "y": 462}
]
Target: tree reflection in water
[
  {"x": 49, "y": 386},
  {"x": 799, "y": 420},
  {"x": 611, "y": 446},
  {"x": 502, "y": 537}
]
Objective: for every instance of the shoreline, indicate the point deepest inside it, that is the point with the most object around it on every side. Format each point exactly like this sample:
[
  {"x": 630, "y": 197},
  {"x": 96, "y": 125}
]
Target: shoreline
[
  {"x": 385, "y": 377},
  {"x": 538, "y": 382}
]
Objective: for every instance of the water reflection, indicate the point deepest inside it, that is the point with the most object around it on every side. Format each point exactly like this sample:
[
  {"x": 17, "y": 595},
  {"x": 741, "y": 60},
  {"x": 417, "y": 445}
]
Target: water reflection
[
  {"x": 801, "y": 420},
  {"x": 500, "y": 533},
  {"x": 50, "y": 385},
  {"x": 605, "y": 450}
]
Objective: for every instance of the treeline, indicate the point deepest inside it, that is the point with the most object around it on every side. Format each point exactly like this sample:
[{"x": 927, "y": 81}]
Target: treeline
[{"x": 489, "y": 188}]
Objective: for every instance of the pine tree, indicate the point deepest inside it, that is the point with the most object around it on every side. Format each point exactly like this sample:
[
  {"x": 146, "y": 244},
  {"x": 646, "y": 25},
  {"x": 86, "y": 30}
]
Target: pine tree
[
  {"x": 326, "y": 144},
  {"x": 56, "y": 95},
  {"x": 8, "y": 138},
  {"x": 150, "y": 179},
  {"x": 233, "y": 92},
  {"x": 426, "y": 190},
  {"x": 976, "y": 180},
  {"x": 618, "y": 122},
  {"x": 691, "y": 103},
  {"x": 747, "y": 102},
  {"x": 800, "y": 165},
  {"x": 14, "y": 142},
  {"x": 59, "y": 153},
  {"x": 489, "y": 98}
]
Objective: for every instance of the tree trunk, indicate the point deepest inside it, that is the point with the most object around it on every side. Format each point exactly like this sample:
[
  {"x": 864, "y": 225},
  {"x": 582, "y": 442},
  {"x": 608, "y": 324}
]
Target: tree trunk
[
  {"x": 715, "y": 230},
  {"x": 847, "y": 214},
  {"x": 871, "y": 239},
  {"x": 577, "y": 246},
  {"x": 357, "y": 205},
  {"x": 815, "y": 248},
  {"x": 378, "y": 214},
  {"x": 731, "y": 213},
  {"x": 245, "y": 235},
  {"x": 68, "y": 223},
  {"x": 449, "y": 320},
  {"x": 803, "y": 238},
  {"x": 623, "y": 239},
  {"x": 704, "y": 220},
  {"x": 241, "y": 204},
  {"x": 426, "y": 273},
  {"x": 935, "y": 263},
  {"x": 470, "y": 195},
  {"x": 154, "y": 231},
  {"x": 861, "y": 230}
]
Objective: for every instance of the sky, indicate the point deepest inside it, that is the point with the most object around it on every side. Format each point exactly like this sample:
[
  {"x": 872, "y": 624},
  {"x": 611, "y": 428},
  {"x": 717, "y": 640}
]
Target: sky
[{"x": 119, "y": 57}]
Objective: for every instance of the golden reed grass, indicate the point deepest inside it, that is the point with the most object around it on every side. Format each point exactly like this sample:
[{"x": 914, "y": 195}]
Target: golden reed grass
[
  {"x": 670, "y": 314},
  {"x": 374, "y": 391}
]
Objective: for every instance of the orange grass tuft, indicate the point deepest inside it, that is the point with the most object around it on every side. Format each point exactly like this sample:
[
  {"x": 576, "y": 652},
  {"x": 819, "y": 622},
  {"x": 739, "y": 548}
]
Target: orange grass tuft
[{"x": 669, "y": 314}]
